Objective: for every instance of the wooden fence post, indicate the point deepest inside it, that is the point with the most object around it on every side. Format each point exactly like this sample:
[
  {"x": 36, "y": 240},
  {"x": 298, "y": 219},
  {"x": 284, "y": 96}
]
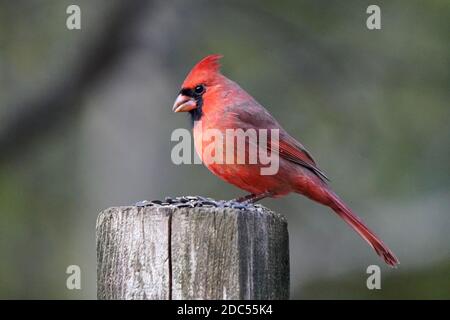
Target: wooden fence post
[{"x": 193, "y": 249}]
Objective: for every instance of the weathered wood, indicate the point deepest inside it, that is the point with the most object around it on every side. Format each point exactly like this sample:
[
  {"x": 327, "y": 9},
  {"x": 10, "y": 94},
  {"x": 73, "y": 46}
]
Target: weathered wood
[
  {"x": 164, "y": 252},
  {"x": 132, "y": 255}
]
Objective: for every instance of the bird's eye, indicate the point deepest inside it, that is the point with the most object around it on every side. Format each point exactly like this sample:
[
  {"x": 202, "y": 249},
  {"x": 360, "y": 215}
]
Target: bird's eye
[{"x": 200, "y": 89}]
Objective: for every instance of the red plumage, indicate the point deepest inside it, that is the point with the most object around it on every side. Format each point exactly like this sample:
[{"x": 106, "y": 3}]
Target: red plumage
[{"x": 221, "y": 104}]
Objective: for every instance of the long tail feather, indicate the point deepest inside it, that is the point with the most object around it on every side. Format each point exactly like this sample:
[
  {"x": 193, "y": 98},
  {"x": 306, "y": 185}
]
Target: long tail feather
[{"x": 358, "y": 225}]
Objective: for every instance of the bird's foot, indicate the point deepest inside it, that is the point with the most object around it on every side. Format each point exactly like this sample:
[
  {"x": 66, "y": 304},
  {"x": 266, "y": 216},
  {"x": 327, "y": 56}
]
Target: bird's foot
[
  {"x": 252, "y": 198},
  {"x": 244, "y": 198}
]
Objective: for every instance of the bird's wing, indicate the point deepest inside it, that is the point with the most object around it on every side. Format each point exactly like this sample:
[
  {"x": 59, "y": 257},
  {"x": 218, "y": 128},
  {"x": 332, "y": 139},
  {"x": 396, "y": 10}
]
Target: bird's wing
[
  {"x": 256, "y": 117},
  {"x": 290, "y": 149}
]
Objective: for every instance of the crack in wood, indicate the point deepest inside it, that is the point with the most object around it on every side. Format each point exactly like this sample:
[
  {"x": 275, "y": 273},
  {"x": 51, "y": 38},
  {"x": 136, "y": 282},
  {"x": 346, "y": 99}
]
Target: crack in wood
[{"x": 169, "y": 242}]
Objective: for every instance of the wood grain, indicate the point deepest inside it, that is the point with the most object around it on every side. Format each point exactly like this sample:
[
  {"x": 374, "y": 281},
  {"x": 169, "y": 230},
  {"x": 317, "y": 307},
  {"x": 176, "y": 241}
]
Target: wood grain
[{"x": 164, "y": 252}]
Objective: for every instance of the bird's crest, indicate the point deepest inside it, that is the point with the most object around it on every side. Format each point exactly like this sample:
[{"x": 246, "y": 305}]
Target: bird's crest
[{"x": 204, "y": 71}]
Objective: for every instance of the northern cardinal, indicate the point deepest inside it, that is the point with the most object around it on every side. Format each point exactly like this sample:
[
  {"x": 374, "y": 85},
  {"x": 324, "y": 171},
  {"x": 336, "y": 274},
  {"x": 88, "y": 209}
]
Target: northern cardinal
[{"x": 216, "y": 102}]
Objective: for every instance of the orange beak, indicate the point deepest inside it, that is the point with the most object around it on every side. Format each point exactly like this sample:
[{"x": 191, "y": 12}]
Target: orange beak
[{"x": 184, "y": 104}]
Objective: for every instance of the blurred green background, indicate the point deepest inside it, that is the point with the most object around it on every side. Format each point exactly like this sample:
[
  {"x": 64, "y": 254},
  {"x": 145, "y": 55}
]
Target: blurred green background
[{"x": 85, "y": 124}]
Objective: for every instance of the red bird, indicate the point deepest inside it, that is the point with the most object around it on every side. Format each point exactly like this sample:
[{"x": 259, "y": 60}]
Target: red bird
[{"x": 216, "y": 102}]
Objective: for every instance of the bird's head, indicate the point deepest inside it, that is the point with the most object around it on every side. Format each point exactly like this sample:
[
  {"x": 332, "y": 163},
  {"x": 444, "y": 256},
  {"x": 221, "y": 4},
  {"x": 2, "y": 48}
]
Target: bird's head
[{"x": 198, "y": 85}]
